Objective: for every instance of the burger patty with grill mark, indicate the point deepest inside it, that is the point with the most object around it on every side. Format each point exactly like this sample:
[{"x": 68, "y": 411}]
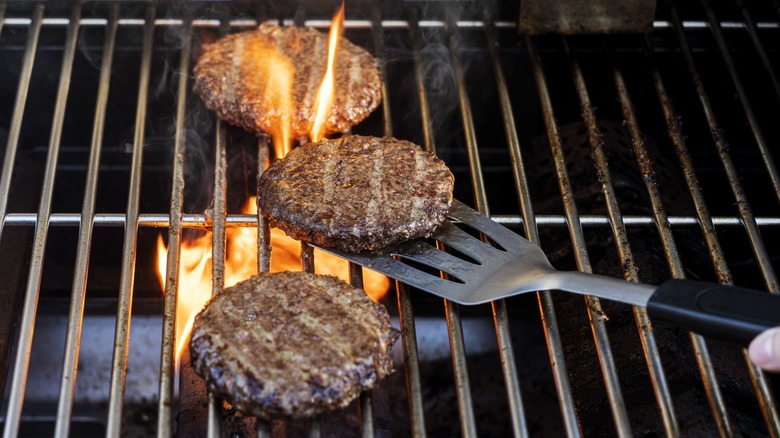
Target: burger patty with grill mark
[
  {"x": 357, "y": 193},
  {"x": 291, "y": 344},
  {"x": 236, "y": 78}
]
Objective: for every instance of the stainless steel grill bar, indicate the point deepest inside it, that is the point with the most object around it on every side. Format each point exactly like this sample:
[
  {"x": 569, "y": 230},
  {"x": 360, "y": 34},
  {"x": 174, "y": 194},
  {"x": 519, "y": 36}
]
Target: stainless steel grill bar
[
  {"x": 774, "y": 176},
  {"x": 379, "y": 49},
  {"x": 219, "y": 212},
  {"x": 405, "y": 312},
  {"x": 78, "y": 291},
  {"x": 200, "y": 221},
  {"x": 263, "y": 229},
  {"x": 263, "y": 428},
  {"x": 32, "y": 291},
  {"x": 625, "y": 254},
  {"x": 166, "y": 401},
  {"x": 703, "y": 360},
  {"x": 127, "y": 276},
  {"x": 2, "y": 16},
  {"x": 766, "y": 399},
  {"x": 678, "y": 140},
  {"x": 593, "y": 305},
  {"x": 452, "y": 310},
  {"x": 19, "y": 103},
  {"x": 365, "y": 407},
  {"x": 468, "y": 424},
  {"x": 500, "y": 314},
  {"x": 411, "y": 361},
  {"x": 320, "y": 24},
  {"x": 307, "y": 264},
  {"x": 658, "y": 379},
  {"x": 548, "y": 317},
  {"x": 248, "y": 23},
  {"x": 760, "y": 51},
  {"x": 348, "y": 24}
]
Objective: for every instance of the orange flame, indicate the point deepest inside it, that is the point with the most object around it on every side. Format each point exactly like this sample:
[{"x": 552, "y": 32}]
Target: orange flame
[
  {"x": 324, "y": 99},
  {"x": 278, "y": 72},
  {"x": 194, "y": 280}
]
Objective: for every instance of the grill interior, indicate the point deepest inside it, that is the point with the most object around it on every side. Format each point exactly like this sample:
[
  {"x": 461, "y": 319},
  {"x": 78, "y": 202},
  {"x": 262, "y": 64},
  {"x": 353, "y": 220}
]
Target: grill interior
[{"x": 643, "y": 158}]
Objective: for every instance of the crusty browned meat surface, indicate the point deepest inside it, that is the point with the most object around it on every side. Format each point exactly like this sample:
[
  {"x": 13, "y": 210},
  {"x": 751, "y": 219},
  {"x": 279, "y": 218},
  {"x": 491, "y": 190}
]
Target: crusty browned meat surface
[
  {"x": 291, "y": 344},
  {"x": 232, "y": 77},
  {"x": 357, "y": 193}
]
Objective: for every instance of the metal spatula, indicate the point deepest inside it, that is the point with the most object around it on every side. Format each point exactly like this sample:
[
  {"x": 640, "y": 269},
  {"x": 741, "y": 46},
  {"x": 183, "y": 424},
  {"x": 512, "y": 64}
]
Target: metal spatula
[{"x": 514, "y": 266}]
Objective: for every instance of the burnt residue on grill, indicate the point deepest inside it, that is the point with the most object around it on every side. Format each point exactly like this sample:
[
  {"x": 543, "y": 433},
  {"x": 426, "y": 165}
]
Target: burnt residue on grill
[{"x": 674, "y": 345}]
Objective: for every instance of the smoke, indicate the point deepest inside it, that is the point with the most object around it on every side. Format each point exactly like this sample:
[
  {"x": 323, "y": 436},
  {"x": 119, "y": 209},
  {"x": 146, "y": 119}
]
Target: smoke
[{"x": 438, "y": 75}]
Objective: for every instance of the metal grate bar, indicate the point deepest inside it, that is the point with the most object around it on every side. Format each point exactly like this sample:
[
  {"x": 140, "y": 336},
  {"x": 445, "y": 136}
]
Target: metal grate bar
[
  {"x": 746, "y": 214},
  {"x": 218, "y": 242},
  {"x": 248, "y": 23},
  {"x": 263, "y": 428},
  {"x": 701, "y": 353},
  {"x": 406, "y": 315},
  {"x": 760, "y": 384},
  {"x": 2, "y": 16},
  {"x": 753, "y": 32},
  {"x": 166, "y": 402},
  {"x": 411, "y": 360},
  {"x": 307, "y": 264},
  {"x": 366, "y": 410},
  {"x": 78, "y": 292},
  {"x": 452, "y": 310},
  {"x": 199, "y": 221},
  {"x": 122, "y": 333},
  {"x": 703, "y": 359},
  {"x": 545, "y": 300},
  {"x": 657, "y": 375},
  {"x": 365, "y": 407},
  {"x": 593, "y": 304},
  {"x": 774, "y": 176},
  {"x": 19, "y": 104},
  {"x": 625, "y": 254},
  {"x": 219, "y": 213},
  {"x": 263, "y": 229},
  {"x": 500, "y": 314},
  {"x": 33, "y": 289}
]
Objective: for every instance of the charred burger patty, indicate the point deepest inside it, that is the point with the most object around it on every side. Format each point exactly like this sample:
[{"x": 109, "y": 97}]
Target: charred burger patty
[
  {"x": 291, "y": 344},
  {"x": 357, "y": 193},
  {"x": 238, "y": 78}
]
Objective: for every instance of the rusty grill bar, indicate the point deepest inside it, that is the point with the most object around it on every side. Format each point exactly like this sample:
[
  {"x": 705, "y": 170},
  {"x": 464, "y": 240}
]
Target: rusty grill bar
[{"x": 494, "y": 39}]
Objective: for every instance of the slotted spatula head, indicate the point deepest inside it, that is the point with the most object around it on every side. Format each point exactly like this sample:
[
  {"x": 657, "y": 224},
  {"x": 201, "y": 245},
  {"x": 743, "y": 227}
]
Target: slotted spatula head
[
  {"x": 487, "y": 272},
  {"x": 505, "y": 264}
]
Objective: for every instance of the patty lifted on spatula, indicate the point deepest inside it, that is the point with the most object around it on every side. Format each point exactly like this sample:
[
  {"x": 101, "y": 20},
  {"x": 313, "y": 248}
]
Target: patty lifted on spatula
[
  {"x": 292, "y": 344},
  {"x": 236, "y": 79},
  {"x": 357, "y": 193}
]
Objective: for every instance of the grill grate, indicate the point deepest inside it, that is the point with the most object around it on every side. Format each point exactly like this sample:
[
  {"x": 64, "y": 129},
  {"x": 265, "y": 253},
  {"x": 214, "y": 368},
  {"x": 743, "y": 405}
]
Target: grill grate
[{"x": 456, "y": 64}]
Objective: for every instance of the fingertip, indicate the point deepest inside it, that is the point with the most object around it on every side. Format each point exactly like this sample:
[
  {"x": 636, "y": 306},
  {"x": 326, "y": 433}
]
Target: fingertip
[{"x": 764, "y": 351}]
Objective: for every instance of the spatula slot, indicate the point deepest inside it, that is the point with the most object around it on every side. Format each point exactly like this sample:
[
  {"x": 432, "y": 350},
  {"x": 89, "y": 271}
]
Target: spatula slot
[
  {"x": 433, "y": 271},
  {"x": 454, "y": 252}
]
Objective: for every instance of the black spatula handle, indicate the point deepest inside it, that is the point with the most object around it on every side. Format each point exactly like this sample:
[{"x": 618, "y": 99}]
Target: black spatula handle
[{"x": 724, "y": 312}]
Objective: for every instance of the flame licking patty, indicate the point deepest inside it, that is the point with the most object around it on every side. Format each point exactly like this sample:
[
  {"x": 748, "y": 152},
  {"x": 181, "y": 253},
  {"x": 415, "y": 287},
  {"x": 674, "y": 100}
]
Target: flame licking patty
[{"x": 234, "y": 79}]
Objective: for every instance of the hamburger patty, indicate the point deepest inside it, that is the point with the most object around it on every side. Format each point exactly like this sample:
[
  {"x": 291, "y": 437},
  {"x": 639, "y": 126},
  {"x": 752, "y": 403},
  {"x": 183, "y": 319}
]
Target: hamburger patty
[
  {"x": 357, "y": 193},
  {"x": 291, "y": 344},
  {"x": 235, "y": 78}
]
